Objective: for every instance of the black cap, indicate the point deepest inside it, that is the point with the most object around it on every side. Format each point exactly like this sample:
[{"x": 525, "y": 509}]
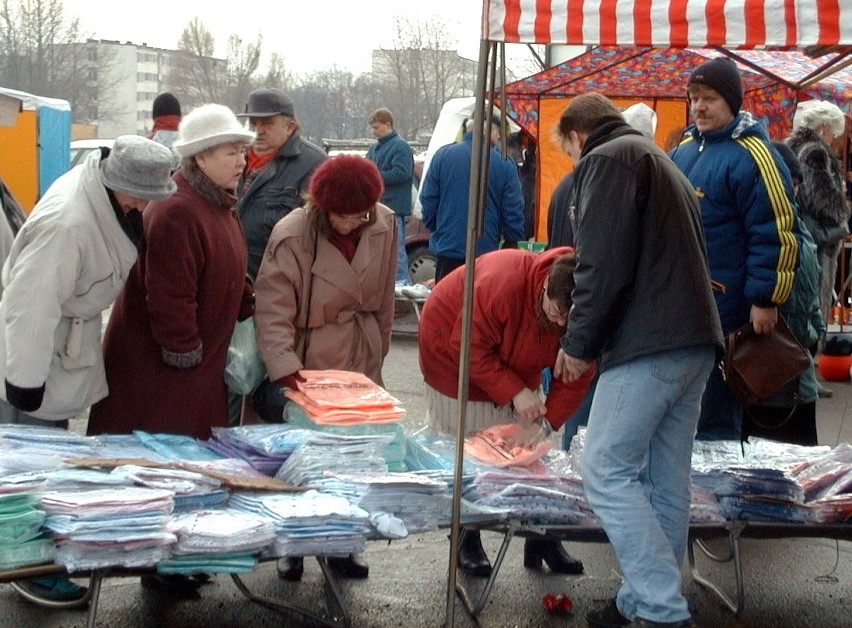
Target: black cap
[
  {"x": 722, "y": 75},
  {"x": 166, "y": 105},
  {"x": 266, "y": 102}
]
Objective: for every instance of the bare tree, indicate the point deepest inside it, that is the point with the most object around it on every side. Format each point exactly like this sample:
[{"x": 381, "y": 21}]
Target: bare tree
[
  {"x": 43, "y": 54},
  {"x": 421, "y": 71},
  {"x": 196, "y": 76},
  {"x": 243, "y": 63}
]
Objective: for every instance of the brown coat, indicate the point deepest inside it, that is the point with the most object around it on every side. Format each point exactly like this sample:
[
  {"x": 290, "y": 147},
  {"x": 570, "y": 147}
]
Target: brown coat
[
  {"x": 351, "y": 305},
  {"x": 180, "y": 303}
]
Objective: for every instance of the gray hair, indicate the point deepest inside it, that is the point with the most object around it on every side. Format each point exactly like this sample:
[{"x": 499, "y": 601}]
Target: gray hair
[{"x": 815, "y": 113}]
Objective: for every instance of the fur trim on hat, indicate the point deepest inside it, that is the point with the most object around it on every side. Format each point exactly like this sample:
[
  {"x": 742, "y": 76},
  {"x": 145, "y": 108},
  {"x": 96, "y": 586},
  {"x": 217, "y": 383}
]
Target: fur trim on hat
[
  {"x": 209, "y": 126},
  {"x": 139, "y": 167},
  {"x": 346, "y": 184}
]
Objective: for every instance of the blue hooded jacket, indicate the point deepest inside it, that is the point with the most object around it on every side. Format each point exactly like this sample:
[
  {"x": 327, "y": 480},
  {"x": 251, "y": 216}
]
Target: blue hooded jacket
[{"x": 748, "y": 215}]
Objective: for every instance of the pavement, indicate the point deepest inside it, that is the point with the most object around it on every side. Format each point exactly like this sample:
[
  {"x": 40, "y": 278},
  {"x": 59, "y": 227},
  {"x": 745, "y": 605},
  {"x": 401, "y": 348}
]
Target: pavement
[{"x": 788, "y": 582}]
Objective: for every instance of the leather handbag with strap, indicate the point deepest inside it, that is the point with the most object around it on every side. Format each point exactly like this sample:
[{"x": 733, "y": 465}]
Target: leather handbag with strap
[{"x": 757, "y": 366}]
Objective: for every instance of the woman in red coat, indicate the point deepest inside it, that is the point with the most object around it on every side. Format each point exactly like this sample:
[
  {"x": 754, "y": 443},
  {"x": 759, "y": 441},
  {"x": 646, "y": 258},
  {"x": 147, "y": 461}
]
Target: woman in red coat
[{"x": 168, "y": 335}]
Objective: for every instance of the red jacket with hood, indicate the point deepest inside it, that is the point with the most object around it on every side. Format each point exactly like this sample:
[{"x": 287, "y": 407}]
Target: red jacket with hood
[{"x": 508, "y": 346}]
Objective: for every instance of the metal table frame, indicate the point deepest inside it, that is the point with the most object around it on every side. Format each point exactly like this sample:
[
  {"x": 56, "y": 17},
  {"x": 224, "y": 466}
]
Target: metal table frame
[
  {"x": 336, "y": 616},
  {"x": 698, "y": 534}
]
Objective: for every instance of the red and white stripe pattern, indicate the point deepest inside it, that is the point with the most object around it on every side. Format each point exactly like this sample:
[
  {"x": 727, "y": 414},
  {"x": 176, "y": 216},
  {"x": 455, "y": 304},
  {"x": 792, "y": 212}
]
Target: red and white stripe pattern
[{"x": 692, "y": 23}]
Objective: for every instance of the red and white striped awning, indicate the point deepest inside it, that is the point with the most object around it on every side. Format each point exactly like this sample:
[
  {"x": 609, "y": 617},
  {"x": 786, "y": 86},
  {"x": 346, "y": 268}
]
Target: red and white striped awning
[{"x": 676, "y": 23}]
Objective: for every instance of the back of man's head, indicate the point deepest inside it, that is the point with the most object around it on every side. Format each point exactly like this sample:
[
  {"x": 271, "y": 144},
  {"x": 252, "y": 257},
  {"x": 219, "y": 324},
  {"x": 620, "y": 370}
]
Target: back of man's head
[{"x": 587, "y": 112}]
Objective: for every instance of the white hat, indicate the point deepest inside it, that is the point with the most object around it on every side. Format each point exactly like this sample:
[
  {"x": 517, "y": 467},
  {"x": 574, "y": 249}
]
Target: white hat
[
  {"x": 642, "y": 118},
  {"x": 138, "y": 167},
  {"x": 209, "y": 126}
]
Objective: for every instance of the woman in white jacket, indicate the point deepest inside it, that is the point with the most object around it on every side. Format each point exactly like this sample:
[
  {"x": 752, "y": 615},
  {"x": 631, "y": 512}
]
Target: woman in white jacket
[{"x": 67, "y": 264}]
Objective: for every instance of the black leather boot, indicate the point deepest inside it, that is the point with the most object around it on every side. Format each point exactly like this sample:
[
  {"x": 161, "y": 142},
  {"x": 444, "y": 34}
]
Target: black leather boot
[
  {"x": 291, "y": 568},
  {"x": 472, "y": 558},
  {"x": 551, "y": 552},
  {"x": 351, "y": 566}
]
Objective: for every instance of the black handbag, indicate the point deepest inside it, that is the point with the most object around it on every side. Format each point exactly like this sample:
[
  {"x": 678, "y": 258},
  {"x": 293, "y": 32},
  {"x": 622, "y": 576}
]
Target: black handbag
[{"x": 757, "y": 366}]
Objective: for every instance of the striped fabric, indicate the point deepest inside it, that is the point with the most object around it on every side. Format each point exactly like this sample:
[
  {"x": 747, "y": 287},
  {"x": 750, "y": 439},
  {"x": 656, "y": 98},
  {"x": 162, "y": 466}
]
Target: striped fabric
[
  {"x": 784, "y": 216},
  {"x": 679, "y": 23}
]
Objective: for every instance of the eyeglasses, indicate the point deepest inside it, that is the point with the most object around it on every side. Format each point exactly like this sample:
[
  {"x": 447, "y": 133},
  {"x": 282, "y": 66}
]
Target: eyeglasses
[
  {"x": 550, "y": 308},
  {"x": 358, "y": 218}
]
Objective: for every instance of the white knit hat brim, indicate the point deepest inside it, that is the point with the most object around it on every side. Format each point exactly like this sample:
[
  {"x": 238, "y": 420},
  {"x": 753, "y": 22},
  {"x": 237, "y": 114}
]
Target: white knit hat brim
[
  {"x": 209, "y": 126},
  {"x": 188, "y": 149}
]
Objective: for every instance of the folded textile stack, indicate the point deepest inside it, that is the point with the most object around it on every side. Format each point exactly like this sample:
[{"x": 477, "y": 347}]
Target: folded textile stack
[
  {"x": 309, "y": 523},
  {"x": 433, "y": 451},
  {"x": 344, "y": 402},
  {"x": 265, "y": 447},
  {"x": 323, "y": 452},
  {"x": 217, "y": 541},
  {"x": 26, "y": 448},
  {"x": 191, "y": 490},
  {"x": 393, "y": 453},
  {"x": 754, "y": 489},
  {"x": 177, "y": 446},
  {"x": 122, "y": 526},
  {"x": 22, "y": 539},
  {"x": 544, "y": 499},
  {"x": 704, "y": 508},
  {"x": 496, "y": 446},
  {"x": 331, "y": 397},
  {"x": 827, "y": 482},
  {"x": 416, "y": 500}
]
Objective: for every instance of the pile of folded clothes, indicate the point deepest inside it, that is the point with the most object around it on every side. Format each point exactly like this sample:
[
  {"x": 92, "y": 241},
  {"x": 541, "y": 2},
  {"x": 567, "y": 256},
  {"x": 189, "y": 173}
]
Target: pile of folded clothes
[{"x": 343, "y": 402}]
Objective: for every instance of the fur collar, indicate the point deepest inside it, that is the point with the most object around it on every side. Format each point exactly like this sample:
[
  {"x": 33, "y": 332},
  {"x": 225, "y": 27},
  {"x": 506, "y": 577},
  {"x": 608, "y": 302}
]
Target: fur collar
[{"x": 209, "y": 190}]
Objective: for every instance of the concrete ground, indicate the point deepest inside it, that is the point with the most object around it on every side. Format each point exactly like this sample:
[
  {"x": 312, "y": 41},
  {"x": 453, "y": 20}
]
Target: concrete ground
[{"x": 787, "y": 582}]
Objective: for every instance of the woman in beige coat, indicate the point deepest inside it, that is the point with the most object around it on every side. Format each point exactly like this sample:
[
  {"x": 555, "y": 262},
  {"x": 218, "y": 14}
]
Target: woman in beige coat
[{"x": 325, "y": 292}]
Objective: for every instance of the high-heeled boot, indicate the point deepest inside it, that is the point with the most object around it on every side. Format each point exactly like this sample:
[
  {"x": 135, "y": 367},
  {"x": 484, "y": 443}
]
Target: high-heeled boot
[
  {"x": 472, "y": 558},
  {"x": 551, "y": 552}
]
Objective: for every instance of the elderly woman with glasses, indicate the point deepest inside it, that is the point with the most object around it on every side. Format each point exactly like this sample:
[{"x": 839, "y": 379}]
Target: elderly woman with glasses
[{"x": 325, "y": 290}]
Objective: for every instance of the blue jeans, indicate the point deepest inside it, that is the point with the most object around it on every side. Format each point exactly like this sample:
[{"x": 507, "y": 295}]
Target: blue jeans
[
  {"x": 721, "y": 413},
  {"x": 636, "y": 467},
  {"x": 402, "y": 275},
  {"x": 580, "y": 416}
]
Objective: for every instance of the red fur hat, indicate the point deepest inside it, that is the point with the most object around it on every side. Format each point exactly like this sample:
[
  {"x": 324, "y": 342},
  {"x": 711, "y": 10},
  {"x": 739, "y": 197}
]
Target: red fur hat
[{"x": 346, "y": 184}]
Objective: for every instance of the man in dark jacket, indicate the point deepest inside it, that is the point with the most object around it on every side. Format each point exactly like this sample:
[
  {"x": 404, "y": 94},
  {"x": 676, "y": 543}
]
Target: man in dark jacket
[
  {"x": 642, "y": 264},
  {"x": 278, "y": 168},
  {"x": 395, "y": 161}
]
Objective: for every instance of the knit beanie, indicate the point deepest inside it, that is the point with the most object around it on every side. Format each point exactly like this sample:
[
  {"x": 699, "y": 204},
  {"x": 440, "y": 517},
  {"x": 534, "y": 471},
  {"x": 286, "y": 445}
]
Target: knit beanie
[
  {"x": 346, "y": 184},
  {"x": 166, "y": 105},
  {"x": 138, "y": 167},
  {"x": 722, "y": 75}
]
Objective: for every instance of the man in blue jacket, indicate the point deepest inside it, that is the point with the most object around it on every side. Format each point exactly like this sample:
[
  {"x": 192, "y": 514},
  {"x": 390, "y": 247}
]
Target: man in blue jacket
[
  {"x": 748, "y": 216},
  {"x": 444, "y": 197},
  {"x": 395, "y": 161}
]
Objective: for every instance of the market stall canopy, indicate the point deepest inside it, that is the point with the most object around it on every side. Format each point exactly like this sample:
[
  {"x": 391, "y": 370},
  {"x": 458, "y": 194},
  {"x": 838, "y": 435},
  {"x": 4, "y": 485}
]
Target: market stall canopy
[
  {"x": 774, "y": 83},
  {"x": 679, "y": 23}
]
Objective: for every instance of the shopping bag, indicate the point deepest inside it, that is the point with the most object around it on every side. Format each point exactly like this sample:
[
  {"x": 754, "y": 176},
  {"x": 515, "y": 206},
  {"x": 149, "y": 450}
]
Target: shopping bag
[
  {"x": 244, "y": 369},
  {"x": 757, "y": 366}
]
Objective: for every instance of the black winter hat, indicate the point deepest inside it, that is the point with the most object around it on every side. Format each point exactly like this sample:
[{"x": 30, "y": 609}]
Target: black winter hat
[
  {"x": 722, "y": 75},
  {"x": 166, "y": 105}
]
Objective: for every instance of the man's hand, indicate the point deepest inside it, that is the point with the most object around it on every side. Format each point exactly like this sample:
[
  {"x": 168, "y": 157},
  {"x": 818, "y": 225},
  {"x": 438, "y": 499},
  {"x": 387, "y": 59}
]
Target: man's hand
[
  {"x": 568, "y": 368},
  {"x": 763, "y": 318},
  {"x": 528, "y": 405}
]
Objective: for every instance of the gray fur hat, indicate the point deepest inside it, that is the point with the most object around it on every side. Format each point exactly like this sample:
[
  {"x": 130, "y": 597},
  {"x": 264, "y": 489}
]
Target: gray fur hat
[{"x": 139, "y": 167}]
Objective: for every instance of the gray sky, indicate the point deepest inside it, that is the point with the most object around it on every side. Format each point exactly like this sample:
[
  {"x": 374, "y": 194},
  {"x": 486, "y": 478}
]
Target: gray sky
[{"x": 310, "y": 35}]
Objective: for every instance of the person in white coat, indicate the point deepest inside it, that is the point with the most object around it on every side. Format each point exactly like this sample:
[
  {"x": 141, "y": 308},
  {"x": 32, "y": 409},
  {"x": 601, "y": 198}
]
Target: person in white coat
[{"x": 66, "y": 266}]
